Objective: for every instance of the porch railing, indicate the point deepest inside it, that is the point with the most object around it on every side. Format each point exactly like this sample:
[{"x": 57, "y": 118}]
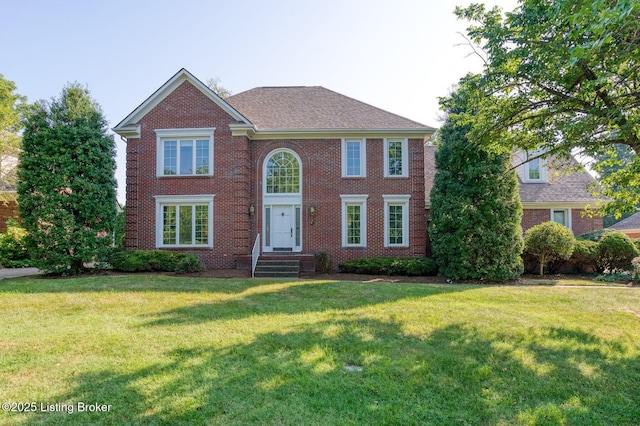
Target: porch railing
[{"x": 255, "y": 254}]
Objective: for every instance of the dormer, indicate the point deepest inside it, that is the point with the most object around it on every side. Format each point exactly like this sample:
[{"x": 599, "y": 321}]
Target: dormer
[{"x": 531, "y": 168}]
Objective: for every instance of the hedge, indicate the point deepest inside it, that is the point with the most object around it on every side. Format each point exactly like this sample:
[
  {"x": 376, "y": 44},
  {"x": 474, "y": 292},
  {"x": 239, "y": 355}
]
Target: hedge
[
  {"x": 154, "y": 260},
  {"x": 409, "y": 266}
]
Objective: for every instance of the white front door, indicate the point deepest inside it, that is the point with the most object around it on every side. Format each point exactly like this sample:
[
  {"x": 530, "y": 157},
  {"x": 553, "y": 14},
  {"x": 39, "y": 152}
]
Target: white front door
[{"x": 282, "y": 228}]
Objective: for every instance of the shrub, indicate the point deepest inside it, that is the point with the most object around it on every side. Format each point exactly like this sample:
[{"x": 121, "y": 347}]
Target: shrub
[
  {"x": 154, "y": 260},
  {"x": 13, "y": 253},
  {"x": 188, "y": 263},
  {"x": 612, "y": 278},
  {"x": 549, "y": 241},
  {"x": 615, "y": 252},
  {"x": 409, "y": 266},
  {"x": 585, "y": 256},
  {"x": 636, "y": 269},
  {"x": 596, "y": 235},
  {"x": 324, "y": 264}
]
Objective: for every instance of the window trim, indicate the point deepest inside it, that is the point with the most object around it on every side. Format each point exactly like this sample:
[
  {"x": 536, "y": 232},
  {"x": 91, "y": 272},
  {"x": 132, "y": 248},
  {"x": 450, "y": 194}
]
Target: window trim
[
  {"x": 183, "y": 200},
  {"x": 567, "y": 212},
  {"x": 363, "y": 157},
  {"x": 354, "y": 200},
  {"x": 395, "y": 200},
  {"x": 265, "y": 167},
  {"x": 194, "y": 134},
  {"x": 405, "y": 157},
  {"x": 543, "y": 169}
]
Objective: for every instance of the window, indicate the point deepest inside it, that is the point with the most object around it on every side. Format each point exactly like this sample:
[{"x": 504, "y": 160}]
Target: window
[
  {"x": 354, "y": 158},
  {"x": 283, "y": 174},
  {"x": 396, "y": 220},
  {"x": 396, "y": 158},
  {"x": 354, "y": 220},
  {"x": 184, "y": 221},
  {"x": 561, "y": 216},
  {"x": 185, "y": 152},
  {"x": 534, "y": 170}
]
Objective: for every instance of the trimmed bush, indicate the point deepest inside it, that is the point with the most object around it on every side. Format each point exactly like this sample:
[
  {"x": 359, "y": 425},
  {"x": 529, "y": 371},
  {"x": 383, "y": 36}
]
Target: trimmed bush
[
  {"x": 154, "y": 260},
  {"x": 188, "y": 263},
  {"x": 615, "y": 252},
  {"x": 549, "y": 241},
  {"x": 585, "y": 256},
  {"x": 324, "y": 264},
  {"x": 596, "y": 235},
  {"x": 409, "y": 266},
  {"x": 13, "y": 253}
]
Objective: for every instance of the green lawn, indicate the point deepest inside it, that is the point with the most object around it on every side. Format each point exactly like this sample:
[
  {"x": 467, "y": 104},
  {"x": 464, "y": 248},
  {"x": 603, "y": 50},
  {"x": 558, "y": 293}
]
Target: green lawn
[{"x": 167, "y": 350}]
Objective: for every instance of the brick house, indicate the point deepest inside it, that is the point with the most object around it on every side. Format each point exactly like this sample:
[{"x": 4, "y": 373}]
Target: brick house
[
  {"x": 629, "y": 225},
  {"x": 550, "y": 190},
  {"x": 306, "y": 168},
  {"x": 8, "y": 203}
]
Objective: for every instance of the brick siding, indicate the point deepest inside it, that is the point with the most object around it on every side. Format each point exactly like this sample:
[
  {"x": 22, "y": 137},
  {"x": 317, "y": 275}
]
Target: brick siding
[
  {"x": 237, "y": 184},
  {"x": 8, "y": 210}
]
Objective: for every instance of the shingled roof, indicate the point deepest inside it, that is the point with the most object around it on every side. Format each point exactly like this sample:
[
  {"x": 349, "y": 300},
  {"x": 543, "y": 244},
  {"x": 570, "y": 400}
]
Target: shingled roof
[
  {"x": 631, "y": 222},
  {"x": 313, "y": 107},
  {"x": 560, "y": 188}
]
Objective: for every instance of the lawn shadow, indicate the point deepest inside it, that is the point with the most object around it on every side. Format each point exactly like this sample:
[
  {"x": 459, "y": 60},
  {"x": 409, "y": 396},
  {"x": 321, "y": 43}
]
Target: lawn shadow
[
  {"x": 366, "y": 371},
  {"x": 297, "y": 297}
]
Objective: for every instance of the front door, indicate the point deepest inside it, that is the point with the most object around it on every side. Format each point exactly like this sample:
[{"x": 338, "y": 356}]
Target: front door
[{"x": 282, "y": 228}]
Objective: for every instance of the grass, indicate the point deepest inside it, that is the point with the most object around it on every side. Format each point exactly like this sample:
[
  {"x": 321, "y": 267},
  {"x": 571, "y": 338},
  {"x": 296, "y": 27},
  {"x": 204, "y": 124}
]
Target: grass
[{"x": 169, "y": 350}]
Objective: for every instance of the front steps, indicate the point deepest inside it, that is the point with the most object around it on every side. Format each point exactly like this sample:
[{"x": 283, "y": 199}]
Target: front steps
[
  {"x": 307, "y": 261},
  {"x": 277, "y": 268}
]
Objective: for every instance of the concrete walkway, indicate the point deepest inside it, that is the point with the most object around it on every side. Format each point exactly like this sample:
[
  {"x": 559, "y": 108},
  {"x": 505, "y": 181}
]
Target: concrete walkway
[{"x": 18, "y": 272}]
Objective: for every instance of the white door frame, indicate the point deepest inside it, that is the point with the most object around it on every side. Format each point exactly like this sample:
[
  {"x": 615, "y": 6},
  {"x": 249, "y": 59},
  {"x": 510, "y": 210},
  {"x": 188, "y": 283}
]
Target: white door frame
[{"x": 281, "y": 200}]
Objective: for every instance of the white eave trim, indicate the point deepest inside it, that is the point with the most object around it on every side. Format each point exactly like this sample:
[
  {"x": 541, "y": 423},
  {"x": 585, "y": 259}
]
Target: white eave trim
[
  {"x": 241, "y": 129},
  {"x": 418, "y": 133},
  {"x": 164, "y": 91},
  {"x": 560, "y": 204},
  {"x": 129, "y": 131}
]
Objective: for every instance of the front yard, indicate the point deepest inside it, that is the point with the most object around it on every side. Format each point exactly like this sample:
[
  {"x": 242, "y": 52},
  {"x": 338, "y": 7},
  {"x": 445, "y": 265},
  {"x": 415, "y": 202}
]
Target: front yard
[{"x": 154, "y": 349}]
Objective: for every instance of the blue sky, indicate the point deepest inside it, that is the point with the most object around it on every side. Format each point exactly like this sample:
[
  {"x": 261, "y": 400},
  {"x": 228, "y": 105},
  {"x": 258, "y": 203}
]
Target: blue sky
[{"x": 397, "y": 55}]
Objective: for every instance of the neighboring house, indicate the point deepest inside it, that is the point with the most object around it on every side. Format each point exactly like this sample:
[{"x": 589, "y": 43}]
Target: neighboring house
[
  {"x": 306, "y": 168},
  {"x": 629, "y": 226},
  {"x": 8, "y": 203},
  {"x": 547, "y": 192}
]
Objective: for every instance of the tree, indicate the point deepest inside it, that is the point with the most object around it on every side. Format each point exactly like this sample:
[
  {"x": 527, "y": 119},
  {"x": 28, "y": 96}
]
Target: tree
[
  {"x": 549, "y": 241},
  {"x": 616, "y": 158},
  {"x": 561, "y": 76},
  {"x": 11, "y": 105},
  {"x": 214, "y": 84},
  {"x": 475, "y": 206},
  {"x": 66, "y": 188}
]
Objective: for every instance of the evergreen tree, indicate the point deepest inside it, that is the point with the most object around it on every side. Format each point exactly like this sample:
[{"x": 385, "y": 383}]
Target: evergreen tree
[
  {"x": 66, "y": 187},
  {"x": 475, "y": 206}
]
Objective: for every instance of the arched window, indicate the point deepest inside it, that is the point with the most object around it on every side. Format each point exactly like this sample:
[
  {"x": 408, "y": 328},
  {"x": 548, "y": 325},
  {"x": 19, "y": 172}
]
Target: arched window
[{"x": 283, "y": 174}]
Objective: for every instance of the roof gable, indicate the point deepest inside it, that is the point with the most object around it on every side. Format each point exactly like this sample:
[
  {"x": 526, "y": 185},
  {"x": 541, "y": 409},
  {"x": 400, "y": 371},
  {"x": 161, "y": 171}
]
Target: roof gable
[
  {"x": 129, "y": 126},
  {"x": 315, "y": 108}
]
